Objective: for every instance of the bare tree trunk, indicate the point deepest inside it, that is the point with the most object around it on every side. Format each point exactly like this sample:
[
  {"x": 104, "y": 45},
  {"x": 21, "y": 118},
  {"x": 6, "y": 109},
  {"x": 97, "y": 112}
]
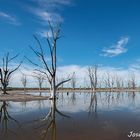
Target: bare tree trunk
[
  {"x": 40, "y": 79},
  {"x": 132, "y": 81},
  {"x": 24, "y": 81},
  {"x": 92, "y": 72},
  {"x": 49, "y": 69},
  {"x": 73, "y": 81},
  {"x": 4, "y": 88},
  {"x": 6, "y": 72},
  {"x": 107, "y": 81},
  {"x": 53, "y": 92}
]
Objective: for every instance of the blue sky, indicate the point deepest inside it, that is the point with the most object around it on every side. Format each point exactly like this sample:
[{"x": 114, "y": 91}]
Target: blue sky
[{"x": 94, "y": 31}]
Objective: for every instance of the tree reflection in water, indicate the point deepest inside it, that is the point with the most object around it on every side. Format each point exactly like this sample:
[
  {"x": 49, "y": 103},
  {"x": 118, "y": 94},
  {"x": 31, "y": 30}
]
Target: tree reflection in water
[
  {"x": 73, "y": 98},
  {"x": 131, "y": 97},
  {"x": 48, "y": 123},
  {"x": 47, "y": 127},
  {"x": 93, "y": 104},
  {"x": 109, "y": 100},
  {"x": 5, "y": 117}
]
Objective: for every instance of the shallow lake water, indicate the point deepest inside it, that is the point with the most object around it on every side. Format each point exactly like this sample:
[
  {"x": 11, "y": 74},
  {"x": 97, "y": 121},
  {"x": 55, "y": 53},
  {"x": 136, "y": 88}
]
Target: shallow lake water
[{"x": 74, "y": 116}]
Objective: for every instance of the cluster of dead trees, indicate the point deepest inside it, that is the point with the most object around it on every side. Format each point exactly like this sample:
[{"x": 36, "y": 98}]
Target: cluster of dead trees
[
  {"x": 104, "y": 81},
  {"x": 47, "y": 70},
  {"x": 95, "y": 80},
  {"x": 110, "y": 80}
]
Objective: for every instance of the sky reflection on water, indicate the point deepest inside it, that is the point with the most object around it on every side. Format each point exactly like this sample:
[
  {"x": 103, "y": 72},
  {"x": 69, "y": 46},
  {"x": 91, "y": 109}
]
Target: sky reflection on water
[{"x": 75, "y": 116}]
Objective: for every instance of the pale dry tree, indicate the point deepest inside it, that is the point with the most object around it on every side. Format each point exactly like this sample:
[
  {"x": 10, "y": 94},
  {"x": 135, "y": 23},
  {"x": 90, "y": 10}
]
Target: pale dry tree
[
  {"x": 73, "y": 81},
  {"x": 85, "y": 83},
  {"x": 92, "y": 73},
  {"x": 100, "y": 82},
  {"x": 24, "y": 81},
  {"x": 60, "y": 79},
  {"x": 49, "y": 69},
  {"x": 62, "y": 86},
  {"x": 128, "y": 81},
  {"x": 6, "y": 71},
  {"x": 39, "y": 79},
  {"x": 119, "y": 82},
  {"x": 112, "y": 81},
  {"x": 132, "y": 81},
  {"x": 109, "y": 80}
]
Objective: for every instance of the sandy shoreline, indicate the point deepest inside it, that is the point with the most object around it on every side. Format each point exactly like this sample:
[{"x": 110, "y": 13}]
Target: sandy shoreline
[{"x": 19, "y": 97}]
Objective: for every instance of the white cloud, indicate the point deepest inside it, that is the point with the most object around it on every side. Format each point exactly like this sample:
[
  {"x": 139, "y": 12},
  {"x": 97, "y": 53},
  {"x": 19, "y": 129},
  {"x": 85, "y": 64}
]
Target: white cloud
[
  {"x": 49, "y": 9},
  {"x": 44, "y": 15},
  {"x": 64, "y": 2},
  {"x": 65, "y": 71},
  {"x": 9, "y": 18},
  {"x": 81, "y": 74},
  {"x": 52, "y": 3},
  {"x": 116, "y": 49},
  {"x": 48, "y": 16}
]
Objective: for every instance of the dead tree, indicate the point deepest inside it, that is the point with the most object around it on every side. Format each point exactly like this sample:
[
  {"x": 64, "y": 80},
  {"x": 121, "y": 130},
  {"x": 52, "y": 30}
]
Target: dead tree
[
  {"x": 112, "y": 80},
  {"x": 49, "y": 69},
  {"x": 59, "y": 79},
  {"x": 73, "y": 81},
  {"x": 62, "y": 86},
  {"x": 128, "y": 83},
  {"x": 92, "y": 73},
  {"x": 132, "y": 81},
  {"x": 40, "y": 79},
  {"x": 119, "y": 82},
  {"x": 24, "y": 81},
  {"x": 108, "y": 81},
  {"x": 6, "y": 71}
]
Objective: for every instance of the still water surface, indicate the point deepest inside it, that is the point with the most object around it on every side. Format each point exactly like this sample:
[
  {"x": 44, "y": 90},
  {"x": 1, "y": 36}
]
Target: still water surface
[{"x": 74, "y": 116}]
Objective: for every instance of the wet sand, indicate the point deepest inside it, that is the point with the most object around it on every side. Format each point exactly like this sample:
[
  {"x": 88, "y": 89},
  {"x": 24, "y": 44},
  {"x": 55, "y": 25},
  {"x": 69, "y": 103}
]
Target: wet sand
[{"x": 20, "y": 97}]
